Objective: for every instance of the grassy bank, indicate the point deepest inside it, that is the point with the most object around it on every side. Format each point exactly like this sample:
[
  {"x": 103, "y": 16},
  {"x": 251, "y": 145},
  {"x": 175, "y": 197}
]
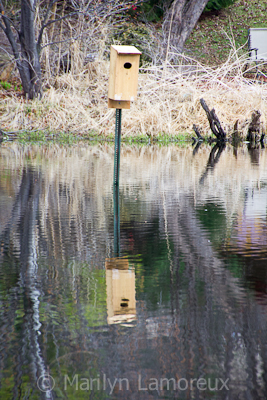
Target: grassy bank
[
  {"x": 214, "y": 35},
  {"x": 168, "y": 100}
]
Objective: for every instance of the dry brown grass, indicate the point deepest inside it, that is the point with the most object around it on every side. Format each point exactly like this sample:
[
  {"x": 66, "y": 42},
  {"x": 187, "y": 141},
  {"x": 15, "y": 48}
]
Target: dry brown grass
[{"x": 168, "y": 100}]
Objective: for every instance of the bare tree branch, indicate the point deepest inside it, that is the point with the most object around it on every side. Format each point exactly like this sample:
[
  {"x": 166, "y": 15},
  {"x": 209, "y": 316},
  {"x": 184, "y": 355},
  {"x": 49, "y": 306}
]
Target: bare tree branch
[
  {"x": 48, "y": 12},
  {"x": 8, "y": 31},
  {"x": 6, "y": 18},
  {"x": 45, "y": 24},
  {"x": 103, "y": 15}
]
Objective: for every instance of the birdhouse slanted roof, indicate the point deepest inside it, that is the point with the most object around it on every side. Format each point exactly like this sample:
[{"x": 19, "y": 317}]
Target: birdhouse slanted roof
[{"x": 126, "y": 49}]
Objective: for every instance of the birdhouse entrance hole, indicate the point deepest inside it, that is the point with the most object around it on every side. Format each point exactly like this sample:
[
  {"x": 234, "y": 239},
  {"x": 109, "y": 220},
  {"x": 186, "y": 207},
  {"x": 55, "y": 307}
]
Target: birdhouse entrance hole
[{"x": 127, "y": 65}]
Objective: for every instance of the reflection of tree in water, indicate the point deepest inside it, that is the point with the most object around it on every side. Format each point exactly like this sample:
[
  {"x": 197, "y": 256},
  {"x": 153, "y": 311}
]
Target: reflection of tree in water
[
  {"x": 223, "y": 329},
  {"x": 211, "y": 328},
  {"x": 19, "y": 241},
  {"x": 194, "y": 319}
]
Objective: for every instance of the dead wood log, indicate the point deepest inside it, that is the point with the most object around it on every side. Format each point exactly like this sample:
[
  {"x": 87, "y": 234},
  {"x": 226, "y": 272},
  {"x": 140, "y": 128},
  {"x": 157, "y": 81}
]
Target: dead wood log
[
  {"x": 214, "y": 122},
  {"x": 197, "y": 132}
]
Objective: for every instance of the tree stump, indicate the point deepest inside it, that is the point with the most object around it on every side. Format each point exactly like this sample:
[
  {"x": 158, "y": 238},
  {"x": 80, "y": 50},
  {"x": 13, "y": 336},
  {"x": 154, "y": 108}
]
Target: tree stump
[
  {"x": 254, "y": 127},
  {"x": 214, "y": 122}
]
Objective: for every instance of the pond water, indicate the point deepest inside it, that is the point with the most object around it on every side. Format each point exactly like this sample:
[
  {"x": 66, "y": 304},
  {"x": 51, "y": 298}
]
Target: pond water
[{"x": 154, "y": 290}]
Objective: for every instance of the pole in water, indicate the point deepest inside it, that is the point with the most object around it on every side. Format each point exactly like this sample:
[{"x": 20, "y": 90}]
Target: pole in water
[
  {"x": 117, "y": 149},
  {"x": 116, "y": 202}
]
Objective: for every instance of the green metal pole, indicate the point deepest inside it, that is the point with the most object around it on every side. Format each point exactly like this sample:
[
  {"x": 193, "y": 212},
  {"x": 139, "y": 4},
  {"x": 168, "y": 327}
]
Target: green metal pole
[
  {"x": 117, "y": 147},
  {"x": 117, "y": 152},
  {"x": 116, "y": 202}
]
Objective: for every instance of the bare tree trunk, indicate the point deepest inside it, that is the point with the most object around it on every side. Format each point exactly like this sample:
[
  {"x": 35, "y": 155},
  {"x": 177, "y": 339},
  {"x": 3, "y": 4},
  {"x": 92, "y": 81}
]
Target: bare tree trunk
[
  {"x": 26, "y": 54},
  {"x": 180, "y": 20},
  {"x": 29, "y": 61}
]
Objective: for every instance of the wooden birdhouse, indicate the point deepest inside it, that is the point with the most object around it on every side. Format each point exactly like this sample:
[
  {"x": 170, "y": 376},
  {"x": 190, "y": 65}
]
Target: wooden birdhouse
[{"x": 123, "y": 76}]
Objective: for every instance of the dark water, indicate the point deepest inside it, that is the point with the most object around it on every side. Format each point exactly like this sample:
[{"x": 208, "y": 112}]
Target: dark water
[{"x": 166, "y": 299}]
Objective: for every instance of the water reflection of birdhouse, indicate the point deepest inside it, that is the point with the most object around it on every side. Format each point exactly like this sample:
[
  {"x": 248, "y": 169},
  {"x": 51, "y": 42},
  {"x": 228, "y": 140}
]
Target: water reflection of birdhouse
[{"x": 120, "y": 280}]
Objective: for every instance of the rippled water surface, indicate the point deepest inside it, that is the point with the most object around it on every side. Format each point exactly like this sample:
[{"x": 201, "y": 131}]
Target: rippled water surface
[{"x": 156, "y": 290}]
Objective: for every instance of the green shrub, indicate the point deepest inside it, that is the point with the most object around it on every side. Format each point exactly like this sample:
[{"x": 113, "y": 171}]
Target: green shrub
[
  {"x": 135, "y": 34},
  {"x": 218, "y": 4},
  {"x": 5, "y": 85},
  {"x": 152, "y": 10}
]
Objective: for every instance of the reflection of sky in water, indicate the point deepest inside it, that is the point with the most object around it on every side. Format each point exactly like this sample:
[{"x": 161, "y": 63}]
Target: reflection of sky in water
[
  {"x": 250, "y": 229},
  {"x": 256, "y": 203},
  {"x": 180, "y": 301}
]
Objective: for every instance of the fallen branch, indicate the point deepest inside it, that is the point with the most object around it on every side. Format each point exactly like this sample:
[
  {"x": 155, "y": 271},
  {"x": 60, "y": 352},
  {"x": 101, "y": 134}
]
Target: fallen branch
[
  {"x": 197, "y": 132},
  {"x": 214, "y": 122}
]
